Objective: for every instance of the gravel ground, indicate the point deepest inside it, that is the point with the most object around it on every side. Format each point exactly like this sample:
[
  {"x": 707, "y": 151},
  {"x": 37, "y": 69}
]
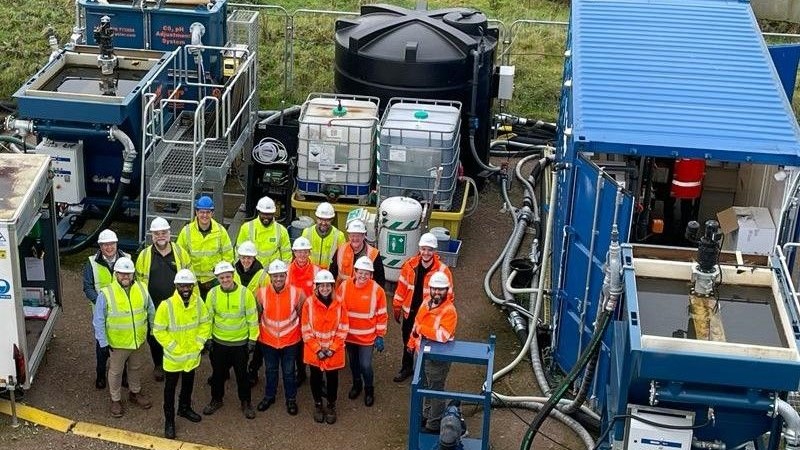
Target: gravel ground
[{"x": 65, "y": 382}]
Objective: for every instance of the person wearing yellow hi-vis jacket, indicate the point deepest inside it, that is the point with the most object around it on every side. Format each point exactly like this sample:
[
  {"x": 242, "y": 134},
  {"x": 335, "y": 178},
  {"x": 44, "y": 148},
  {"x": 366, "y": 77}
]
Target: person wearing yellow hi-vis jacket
[
  {"x": 271, "y": 238},
  {"x": 324, "y": 237},
  {"x": 182, "y": 326},
  {"x": 122, "y": 314},
  {"x": 234, "y": 331},
  {"x": 207, "y": 243}
]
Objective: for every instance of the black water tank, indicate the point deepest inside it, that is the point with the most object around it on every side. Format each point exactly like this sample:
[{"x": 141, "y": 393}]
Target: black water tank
[{"x": 391, "y": 51}]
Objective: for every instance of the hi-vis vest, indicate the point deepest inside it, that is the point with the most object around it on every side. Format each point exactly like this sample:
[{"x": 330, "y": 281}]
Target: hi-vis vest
[
  {"x": 126, "y": 315},
  {"x": 323, "y": 248},
  {"x": 182, "y": 331},
  {"x": 437, "y": 324},
  {"x": 100, "y": 274},
  {"x": 145, "y": 259},
  {"x": 259, "y": 280},
  {"x": 205, "y": 251},
  {"x": 366, "y": 310},
  {"x": 271, "y": 242},
  {"x": 345, "y": 258},
  {"x": 324, "y": 327},
  {"x": 280, "y": 318},
  {"x": 404, "y": 292},
  {"x": 233, "y": 314}
]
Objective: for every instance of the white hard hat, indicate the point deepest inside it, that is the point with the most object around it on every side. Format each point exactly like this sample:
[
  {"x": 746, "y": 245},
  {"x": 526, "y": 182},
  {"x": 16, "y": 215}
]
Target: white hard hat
[
  {"x": 364, "y": 263},
  {"x": 428, "y": 240},
  {"x": 439, "y": 280},
  {"x": 325, "y": 211},
  {"x": 247, "y": 248},
  {"x": 223, "y": 267},
  {"x": 323, "y": 276},
  {"x": 277, "y": 266},
  {"x": 124, "y": 265},
  {"x": 159, "y": 224},
  {"x": 356, "y": 226},
  {"x": 301, "y": 243},
  {"x": 266, "y": 205},
  {"x": 107, "y": 237},
  {"x": 185, "y": 276}
]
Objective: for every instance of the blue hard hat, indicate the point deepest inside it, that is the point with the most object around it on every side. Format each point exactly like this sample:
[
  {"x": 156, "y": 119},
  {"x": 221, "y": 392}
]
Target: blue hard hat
[{"x": 204, "y": 202}]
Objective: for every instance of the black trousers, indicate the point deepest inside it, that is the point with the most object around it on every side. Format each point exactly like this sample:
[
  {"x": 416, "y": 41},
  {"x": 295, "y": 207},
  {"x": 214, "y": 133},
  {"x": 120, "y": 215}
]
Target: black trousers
[
  {"x": 408, "y": 325},
  {"x": 156, "y": 351},
  {"x": 223, "y": 357},
  {"x": 331, "y": 381},
  {"x": 185, "y": 397}
]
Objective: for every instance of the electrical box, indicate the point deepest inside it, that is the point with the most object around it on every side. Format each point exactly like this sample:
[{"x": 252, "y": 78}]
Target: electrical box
[
  {"x": 67, "y": 166},
  {"x": 645, "y": 436},
  {"x": 505, "y": 83}
]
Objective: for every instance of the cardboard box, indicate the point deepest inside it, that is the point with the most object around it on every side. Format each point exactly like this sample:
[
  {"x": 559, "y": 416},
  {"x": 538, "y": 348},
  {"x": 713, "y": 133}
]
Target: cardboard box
[{"x": 747, "y": 229}]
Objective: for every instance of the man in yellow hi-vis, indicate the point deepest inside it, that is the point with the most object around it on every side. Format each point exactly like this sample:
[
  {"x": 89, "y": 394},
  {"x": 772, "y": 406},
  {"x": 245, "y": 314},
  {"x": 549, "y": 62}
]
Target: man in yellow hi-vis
[
  {"x": 207, "y": 243},
  {"x": 324, "y": 237},
  {"x": 271, "y": 238}
]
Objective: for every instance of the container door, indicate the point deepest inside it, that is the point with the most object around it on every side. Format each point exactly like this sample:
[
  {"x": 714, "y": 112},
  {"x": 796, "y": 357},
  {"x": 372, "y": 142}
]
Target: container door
[{"x": 582, "y": 239}]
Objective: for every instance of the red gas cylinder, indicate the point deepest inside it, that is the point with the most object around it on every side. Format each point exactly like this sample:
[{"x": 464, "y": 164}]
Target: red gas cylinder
[{"x": 687, "y": 178}]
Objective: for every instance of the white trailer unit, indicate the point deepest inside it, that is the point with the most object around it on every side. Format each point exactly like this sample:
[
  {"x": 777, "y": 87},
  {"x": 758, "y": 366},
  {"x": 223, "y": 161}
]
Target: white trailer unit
[{"x": 30, "y": 286}]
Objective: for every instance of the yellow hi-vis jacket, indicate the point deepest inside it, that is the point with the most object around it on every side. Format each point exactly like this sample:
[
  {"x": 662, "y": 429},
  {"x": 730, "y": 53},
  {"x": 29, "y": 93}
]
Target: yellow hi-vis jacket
[
  {"x": 145, "y": 258},
  {"x": 182, "y": 331},
  {"x": 272, "y": 242},
  {"x": 126, "y": 315},
  {"x": 234, "y": 317},
  {"x": 323, "y": 248},
  {"x": 206, "y": 251}
]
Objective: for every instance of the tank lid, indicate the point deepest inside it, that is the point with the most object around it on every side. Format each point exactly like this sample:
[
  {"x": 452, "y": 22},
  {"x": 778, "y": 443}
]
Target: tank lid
[
  {"x": 420, "y": 115},
  {"x": 339, "y": 111},
  {"x": 469, "y": 21}
]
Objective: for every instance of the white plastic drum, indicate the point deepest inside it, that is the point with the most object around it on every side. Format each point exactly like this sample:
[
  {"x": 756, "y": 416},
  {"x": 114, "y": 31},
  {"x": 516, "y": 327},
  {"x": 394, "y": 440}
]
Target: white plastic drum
[{"x": 399, "y": 221}]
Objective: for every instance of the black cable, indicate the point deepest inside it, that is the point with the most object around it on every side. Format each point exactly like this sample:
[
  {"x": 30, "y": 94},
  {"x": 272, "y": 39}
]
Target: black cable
[
  {"x": 605, "y": 432},
  {"x": 522, "y": 419}
]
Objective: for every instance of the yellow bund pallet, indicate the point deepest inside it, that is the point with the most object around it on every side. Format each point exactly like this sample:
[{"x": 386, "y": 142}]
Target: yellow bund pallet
[{"x": 447, "y": 219}]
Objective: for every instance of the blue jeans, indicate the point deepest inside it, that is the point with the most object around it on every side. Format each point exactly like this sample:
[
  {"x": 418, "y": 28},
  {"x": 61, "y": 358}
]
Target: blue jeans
[
  {"x": 285, "y": 358},
  {"x": 360, "y": 357}
]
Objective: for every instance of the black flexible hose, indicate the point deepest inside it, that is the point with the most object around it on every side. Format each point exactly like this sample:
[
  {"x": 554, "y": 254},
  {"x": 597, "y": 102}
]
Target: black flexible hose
[{"x": 122, "y": 189}]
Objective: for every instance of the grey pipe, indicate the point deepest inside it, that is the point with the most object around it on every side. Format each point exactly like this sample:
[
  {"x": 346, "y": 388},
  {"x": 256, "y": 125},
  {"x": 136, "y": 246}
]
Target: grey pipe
[
  {"x": 573, "y": 424},
  {"x": 792, "y": 420}
]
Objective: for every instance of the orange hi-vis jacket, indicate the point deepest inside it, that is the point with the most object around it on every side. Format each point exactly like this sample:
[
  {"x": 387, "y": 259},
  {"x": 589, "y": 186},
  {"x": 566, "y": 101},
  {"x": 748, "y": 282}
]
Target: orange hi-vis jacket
[
  {"x": 279, "y": 325},
  {"x": 408, "y": 274},
  {"x": 366, "y": 309},
  {"x": 345, "y": 258},
  {"x": 435, "y": 324},
  {"x": 302, "y": 277},
  {"x": 324, "y": 327}
]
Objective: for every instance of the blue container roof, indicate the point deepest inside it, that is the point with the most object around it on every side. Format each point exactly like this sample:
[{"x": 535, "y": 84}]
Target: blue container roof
[{"x": 688, "y": 78}]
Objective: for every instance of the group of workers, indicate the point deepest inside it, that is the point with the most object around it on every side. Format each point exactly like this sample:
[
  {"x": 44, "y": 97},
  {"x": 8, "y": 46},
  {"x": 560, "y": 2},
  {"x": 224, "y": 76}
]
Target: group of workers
[{"x": 286, "y": 305}]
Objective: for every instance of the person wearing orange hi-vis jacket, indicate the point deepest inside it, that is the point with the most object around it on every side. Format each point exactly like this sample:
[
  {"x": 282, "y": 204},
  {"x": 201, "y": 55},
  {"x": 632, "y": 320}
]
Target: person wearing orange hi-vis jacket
[
  {"x": 325, "y": 325},
  {"x": 365, "y": 301}
]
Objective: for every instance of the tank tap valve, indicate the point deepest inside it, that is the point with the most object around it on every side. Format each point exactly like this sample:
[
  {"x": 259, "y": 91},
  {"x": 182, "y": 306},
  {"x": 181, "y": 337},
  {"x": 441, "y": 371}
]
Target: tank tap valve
[{"x": 106, "y": 60}]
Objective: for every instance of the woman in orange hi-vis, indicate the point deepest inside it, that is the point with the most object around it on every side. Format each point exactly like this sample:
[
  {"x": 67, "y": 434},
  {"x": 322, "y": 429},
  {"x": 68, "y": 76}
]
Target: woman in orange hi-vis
[
  {"x": 435, "y": 321},
  {"x": 301, "y": 275},
  {"x": 365, "y": 301},
  {"x": 325, "y": 325}
]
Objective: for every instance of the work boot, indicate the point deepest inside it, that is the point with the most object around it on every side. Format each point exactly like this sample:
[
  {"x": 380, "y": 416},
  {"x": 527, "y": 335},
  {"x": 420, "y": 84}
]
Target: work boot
[
  {"x": 402, "y": 375},
  {"x": 355, "y": 391},
  {"x": 247, "y": 409},
  {"x": 212, "y": 407},
  {"x": 158, "y": 374},
  {"x": 169, "y": 428},
  {"x": 189, "y": 414},
  {"x": 116, "y": 409},
  {"x": 100, "y": 382},
  {"x": 291, "y": 407},
  {"x": 265, "y": 403},
  {"x": 140, "y": 400},
  {"x": 330, "y": 413},
  {"x": 319, "y": 413},
  {"x": 369, "y": 395}
]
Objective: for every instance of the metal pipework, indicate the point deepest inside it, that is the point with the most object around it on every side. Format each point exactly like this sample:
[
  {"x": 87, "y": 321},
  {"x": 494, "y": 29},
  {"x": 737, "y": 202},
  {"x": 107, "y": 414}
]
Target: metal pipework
[
  {"x": 708, "y": 445},
  {"x": 706, "y": 269},
  {"x": 106, "y": 60},
  {"x": 792, "y": 420}
]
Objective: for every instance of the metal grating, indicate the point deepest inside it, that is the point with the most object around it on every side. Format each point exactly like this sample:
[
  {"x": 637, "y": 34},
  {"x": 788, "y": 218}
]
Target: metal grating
[{"x": 172, "y": 187}]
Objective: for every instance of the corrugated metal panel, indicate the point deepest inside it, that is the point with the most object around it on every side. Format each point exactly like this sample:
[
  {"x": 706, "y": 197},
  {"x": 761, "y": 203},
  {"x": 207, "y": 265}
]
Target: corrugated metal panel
[{"x": 694, "y": 77}]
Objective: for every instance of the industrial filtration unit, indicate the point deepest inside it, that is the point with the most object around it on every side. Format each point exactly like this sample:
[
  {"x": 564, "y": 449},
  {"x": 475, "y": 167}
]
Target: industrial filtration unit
[
  {"x": 674, "y": 347},
  {"x": 179, "y": 115}
]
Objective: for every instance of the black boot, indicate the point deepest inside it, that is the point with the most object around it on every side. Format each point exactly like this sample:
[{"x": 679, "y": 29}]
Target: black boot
[
  {"x": 369, "y": 395},
  {"x": 189, "y": 414},
  {"x": 330, "y": 413},
  {"x": 355, "y": 391},
  {"x": 169, "y": 425},
  {"x": 319, "y": 413}
]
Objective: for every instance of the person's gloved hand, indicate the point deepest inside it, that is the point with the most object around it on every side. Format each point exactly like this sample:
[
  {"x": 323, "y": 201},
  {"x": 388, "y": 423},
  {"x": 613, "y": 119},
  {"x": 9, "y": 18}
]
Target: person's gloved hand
[
  {"x": 398, "y": 313},
  {"x": 251, "y": 346},
  {"x": 379, "y": 344},
  {"x": 106, "y": 351},
  {"x": 321, "y": 355},
  {"x": 328, "y": 353}
]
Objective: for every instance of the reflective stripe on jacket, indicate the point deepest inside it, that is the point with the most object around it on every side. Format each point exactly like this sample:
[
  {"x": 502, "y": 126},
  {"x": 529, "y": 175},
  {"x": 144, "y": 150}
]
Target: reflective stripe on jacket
[
  {"x": 366, "y": 310},
  {"x": 404, "y": 292},
  {"x": 323, "y": 248},
  {"x": 233, "y": 314},
  {"x": 272, "y": 242},
  {"x": 182, "y": 331},
  {"x": 126, "y": 315},
  {"x": 205, "y": 251},
  {"x": 280, "y": 316},
  {"x": 345, "y": 258},
  {"x": 324, "y": 327},
  {"x": 437, "y": 324}
]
